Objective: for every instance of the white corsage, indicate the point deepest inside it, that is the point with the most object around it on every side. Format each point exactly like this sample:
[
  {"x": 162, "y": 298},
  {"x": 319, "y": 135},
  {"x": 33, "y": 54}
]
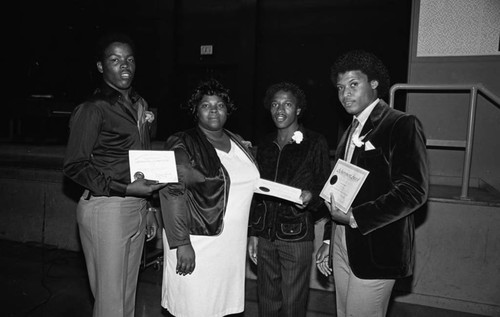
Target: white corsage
[
  {"x": 149, "y": 116},
  {"x": 358, "y": 141},
  {"x": 297, "y": 137}
]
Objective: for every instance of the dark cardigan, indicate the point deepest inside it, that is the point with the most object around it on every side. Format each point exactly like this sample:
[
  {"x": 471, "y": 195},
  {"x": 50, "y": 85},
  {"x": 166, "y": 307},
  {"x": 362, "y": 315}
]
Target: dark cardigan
[{"x": 305, "y": 166}]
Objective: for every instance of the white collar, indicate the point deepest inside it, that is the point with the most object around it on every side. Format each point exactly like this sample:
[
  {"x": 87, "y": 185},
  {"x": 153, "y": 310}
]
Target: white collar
[{"x": 363, "y": 116}]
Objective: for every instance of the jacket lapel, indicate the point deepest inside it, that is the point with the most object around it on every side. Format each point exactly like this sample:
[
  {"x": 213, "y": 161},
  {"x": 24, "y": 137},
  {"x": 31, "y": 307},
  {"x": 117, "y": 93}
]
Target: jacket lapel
[
  {"x": 367, "y": 132},
  {"x": 370, "y": 127},
  {"x": 339, "y": 154}
]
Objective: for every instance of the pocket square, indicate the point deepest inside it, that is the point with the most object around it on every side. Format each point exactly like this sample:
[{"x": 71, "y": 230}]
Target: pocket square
[{"x": 369, "y": 146}]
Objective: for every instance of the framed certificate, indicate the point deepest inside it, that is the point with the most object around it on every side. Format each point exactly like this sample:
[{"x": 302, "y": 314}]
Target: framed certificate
[
  {"x": 153, "y": 165},
  {"x": 286, "y": 192},
  {"x": 344, "y": 182}
]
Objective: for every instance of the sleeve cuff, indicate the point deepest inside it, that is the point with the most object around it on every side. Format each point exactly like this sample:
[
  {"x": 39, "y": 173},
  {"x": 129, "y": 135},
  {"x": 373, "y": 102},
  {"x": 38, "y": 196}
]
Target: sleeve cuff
[
  {"x": 352, "y": 222},
  {"x": 117, "y": 189}
]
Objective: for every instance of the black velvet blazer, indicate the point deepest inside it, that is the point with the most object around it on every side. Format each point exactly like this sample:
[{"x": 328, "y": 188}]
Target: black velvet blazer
[{"x": 382, "y": 247}]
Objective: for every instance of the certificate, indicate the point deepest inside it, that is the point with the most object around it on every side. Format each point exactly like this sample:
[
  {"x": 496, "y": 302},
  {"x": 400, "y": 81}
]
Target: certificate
[
  {"x": 153, "y": 165},
  {"x": 270, "y": 188},
  {"x": 344, "y": 182}
]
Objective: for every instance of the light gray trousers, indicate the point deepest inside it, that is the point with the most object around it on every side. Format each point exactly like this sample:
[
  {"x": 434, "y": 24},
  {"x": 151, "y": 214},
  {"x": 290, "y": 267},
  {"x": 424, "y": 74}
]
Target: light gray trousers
[
  {"x": 112, "y": 232},
  {"x": 355, "y": 296}
]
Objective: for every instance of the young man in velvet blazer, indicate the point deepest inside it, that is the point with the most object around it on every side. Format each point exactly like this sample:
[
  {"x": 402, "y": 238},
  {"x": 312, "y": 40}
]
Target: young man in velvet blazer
[{"x": 373, "y": 243}]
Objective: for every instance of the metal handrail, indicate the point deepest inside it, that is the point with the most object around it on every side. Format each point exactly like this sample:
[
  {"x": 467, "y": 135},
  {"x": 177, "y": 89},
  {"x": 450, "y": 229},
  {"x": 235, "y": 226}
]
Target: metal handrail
[{"x": 474, "y": 89}]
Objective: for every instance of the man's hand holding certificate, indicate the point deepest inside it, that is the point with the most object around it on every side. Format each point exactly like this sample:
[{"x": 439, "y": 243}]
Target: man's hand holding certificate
[
  {"x": 344, "y": 183},
  {"x": 153, "y": 165}
]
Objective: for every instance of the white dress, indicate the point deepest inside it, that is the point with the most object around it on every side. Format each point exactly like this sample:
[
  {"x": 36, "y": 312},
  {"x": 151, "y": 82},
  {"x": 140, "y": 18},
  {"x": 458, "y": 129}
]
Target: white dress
[{"x": 217, "y": 285}]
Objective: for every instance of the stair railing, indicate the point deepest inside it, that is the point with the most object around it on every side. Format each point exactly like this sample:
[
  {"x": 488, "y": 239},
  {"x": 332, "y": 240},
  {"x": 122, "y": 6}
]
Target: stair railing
[{"x": 474, "y": 89}]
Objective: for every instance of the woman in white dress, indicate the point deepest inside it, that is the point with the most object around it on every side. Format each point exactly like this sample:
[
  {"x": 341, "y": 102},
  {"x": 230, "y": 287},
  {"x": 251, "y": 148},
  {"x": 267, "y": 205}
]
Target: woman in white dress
[{"x": 206, "y": 214}]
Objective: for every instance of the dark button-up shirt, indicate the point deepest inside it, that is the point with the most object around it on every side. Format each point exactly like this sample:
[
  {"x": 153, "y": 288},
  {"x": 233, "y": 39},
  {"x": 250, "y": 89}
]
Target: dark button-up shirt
[{"x": 102, "y": 130}]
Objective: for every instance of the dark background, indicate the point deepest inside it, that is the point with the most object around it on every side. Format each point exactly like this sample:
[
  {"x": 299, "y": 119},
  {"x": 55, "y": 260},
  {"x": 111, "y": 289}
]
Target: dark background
[{"x": 50, "y": 45}]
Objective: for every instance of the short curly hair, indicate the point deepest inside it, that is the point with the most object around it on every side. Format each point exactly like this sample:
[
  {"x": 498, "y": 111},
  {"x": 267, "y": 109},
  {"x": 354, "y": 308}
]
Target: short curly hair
[
  {"x": 107, "y": 39},
  {"x": 288, "y": 87},
  {"x": 367, "y": 63},
  {"x": 209, "y": 87}
]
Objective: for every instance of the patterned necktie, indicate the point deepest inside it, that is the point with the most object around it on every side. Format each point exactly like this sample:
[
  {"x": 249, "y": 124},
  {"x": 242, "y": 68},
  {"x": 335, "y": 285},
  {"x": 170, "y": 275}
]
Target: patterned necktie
[{"x": 354, "y": 125}]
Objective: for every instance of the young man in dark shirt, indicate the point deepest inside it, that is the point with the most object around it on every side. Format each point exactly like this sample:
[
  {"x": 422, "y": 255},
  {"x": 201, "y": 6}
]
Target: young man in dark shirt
[{"x": 111, "y": 214}]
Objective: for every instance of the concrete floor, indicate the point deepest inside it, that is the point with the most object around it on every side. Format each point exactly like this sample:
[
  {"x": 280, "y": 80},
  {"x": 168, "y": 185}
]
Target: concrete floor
[{"x": 50, "y": 282}]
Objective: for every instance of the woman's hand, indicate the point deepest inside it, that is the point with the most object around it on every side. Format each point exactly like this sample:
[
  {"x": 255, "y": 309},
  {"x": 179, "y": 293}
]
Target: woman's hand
[
  {"x": 185, "y": 259},
  {"x": 322, "y": 256},
  {"x": 253, "y": 242}
]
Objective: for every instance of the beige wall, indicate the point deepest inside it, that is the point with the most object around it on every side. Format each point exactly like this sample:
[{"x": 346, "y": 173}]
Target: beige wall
[
  {"x": 458, "y": 262},
  {"x": 445, "y": 114}
]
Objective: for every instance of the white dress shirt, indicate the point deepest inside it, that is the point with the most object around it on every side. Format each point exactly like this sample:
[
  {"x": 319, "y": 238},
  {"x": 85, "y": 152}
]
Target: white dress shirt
[{"x": 362, "y": 117}]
